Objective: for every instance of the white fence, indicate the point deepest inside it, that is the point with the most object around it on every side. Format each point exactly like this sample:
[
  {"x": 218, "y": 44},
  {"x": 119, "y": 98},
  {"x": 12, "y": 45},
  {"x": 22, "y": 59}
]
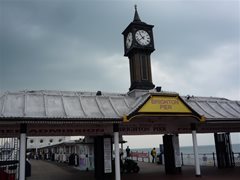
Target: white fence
[{"x": 208, "y": 159}]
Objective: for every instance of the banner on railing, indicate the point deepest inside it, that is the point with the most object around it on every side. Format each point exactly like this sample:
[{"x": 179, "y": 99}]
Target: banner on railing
[{"x": 139, "y": 154}]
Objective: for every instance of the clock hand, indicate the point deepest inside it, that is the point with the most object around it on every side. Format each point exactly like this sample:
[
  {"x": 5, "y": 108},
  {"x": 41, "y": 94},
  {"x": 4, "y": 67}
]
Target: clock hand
[{"x": 141, "y": 35}]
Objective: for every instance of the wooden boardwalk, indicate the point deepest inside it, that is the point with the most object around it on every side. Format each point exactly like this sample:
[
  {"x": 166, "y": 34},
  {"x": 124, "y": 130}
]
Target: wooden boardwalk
[{"x": 44, "y": 170}]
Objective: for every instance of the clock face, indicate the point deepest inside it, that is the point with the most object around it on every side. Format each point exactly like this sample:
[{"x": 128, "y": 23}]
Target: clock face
[
  {"x": 142, "y": 37},
  {"x": 129, "y": 40}
]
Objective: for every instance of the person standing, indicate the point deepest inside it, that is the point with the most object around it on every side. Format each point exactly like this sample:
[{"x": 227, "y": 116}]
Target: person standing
[
  {"x": 128, "y": 151},
  {"x": 204, "y": 158},
  {"x": 153, "y": 154}
]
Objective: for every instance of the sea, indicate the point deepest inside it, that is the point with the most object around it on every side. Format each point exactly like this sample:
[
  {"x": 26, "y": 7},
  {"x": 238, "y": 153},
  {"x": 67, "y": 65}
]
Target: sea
[{"x": 202, "y": 149}]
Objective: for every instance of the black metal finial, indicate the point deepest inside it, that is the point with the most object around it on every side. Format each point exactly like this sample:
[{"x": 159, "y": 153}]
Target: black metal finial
[{"x": 136, "y": 16}]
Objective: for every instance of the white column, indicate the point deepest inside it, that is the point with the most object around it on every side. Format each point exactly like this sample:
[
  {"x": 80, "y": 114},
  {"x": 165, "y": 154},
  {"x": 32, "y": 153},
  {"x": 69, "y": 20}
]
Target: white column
[
  {"x": 117, "y": 158},
  {"x": 22, "y": 158},
  {"x": 195, "y": 150},
  {"x": 122, "y": 150}
]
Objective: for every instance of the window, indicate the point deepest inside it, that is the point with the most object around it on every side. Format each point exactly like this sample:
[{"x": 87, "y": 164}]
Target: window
[{"x": 41, "y": 140}]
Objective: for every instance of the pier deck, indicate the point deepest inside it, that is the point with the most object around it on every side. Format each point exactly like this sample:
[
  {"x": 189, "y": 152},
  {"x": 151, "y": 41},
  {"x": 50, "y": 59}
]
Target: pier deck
[{"x": 44, "y": 170}]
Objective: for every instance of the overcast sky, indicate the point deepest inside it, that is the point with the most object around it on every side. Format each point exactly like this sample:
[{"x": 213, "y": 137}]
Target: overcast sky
[{"x": 77, "y": 45}]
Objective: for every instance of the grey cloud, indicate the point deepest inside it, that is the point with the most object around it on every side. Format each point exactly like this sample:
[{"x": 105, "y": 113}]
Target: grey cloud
[
  {"x": 62, "y": 45},
  {"x": 77, "y": 45},
  {"x": 193, "y": 29}
]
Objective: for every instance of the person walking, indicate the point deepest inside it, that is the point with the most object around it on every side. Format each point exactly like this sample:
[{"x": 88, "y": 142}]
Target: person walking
[
  {"x": 153, "y": 154},
  {"x": 128, "y": 151}
]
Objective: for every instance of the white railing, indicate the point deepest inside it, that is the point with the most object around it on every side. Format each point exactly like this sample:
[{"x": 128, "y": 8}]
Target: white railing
[{"x": 207, "y": 159}]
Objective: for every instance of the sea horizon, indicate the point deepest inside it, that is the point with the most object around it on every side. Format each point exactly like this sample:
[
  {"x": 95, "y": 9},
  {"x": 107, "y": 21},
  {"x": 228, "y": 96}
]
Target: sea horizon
[{"x": 202, "y": 149}]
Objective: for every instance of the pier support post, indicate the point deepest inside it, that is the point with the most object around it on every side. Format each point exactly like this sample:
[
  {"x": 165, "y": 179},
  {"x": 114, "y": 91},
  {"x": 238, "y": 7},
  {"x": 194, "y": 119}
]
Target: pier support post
[
  {"x": 116, "y": 147},
  {"x": 22, "y": 157},
  {"x": 225, "y": 158},
  {"x": 195, "y": 150}
]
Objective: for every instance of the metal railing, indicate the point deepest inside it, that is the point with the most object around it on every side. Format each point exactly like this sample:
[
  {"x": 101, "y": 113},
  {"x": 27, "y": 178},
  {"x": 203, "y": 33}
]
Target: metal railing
[
  {"x": 206, "y": 159},
  {"x": 9, "y": 158}
]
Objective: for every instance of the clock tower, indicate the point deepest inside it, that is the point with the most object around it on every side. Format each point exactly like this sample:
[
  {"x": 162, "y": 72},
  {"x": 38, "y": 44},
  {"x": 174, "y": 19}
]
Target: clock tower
[{"x": 138, "y": 46}]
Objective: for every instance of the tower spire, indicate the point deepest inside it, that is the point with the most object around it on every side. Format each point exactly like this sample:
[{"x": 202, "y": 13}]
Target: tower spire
[{"x": 136, "y": 16}]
